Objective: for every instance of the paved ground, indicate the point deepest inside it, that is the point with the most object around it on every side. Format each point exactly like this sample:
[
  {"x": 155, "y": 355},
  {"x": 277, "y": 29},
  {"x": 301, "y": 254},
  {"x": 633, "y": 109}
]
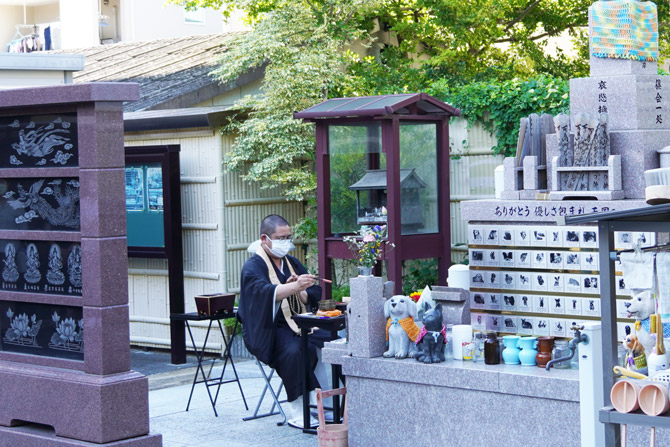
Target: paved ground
[{"x": 169, "y": 388}]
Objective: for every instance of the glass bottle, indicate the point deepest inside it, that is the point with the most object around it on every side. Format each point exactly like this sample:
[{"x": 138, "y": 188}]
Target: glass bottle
[
  {"x": 449, "y": 345},
  {"x": 561, "y": 349},
  {"x": 621, "y": 355},
  {"x": 491, "y": 349},
  {"x": 478, "y": 347}
]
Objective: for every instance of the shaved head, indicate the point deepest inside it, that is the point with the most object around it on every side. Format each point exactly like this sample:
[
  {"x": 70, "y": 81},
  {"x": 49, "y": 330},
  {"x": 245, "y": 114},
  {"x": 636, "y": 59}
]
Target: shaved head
[{"x": 270, "y": 223}]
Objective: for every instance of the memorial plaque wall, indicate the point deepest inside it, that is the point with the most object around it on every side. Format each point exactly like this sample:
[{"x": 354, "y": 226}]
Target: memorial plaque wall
[
  {"x": 49, "y": 204},
  {"x": 539, "y": 280},
  {"x": 64, "y": 268}
]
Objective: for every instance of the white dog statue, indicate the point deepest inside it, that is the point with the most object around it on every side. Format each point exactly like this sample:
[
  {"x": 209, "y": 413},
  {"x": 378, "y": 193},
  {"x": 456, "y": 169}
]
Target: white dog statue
[
  {"x": 640, "y": 307},
  {"x": 401, "y": 330}
]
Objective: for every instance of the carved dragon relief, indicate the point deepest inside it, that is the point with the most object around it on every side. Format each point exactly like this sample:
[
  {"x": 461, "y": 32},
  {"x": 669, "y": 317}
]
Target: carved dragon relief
[{"x": 38, "y": 199}]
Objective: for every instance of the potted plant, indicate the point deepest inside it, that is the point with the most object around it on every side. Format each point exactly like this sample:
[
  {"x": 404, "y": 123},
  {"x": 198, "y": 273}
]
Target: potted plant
[{"x": 367, "y": 245}]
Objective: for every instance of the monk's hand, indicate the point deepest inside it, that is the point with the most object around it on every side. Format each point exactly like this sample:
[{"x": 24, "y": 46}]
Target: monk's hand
[
  {"x": 305, "y": 281},
  {"x": 292, "y": 278}
]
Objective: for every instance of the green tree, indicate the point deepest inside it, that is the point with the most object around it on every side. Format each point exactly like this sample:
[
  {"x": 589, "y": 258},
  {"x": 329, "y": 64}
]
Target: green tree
[{"x": 315, "y": 49}]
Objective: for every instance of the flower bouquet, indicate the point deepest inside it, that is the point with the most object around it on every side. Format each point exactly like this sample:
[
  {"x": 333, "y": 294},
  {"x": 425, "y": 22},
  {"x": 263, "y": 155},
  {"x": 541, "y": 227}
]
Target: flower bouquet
[{"x": 368, "y": 245}]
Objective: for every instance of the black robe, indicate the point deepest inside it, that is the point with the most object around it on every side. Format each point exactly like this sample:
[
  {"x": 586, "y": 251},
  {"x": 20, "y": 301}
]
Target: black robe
[{"x": 273, "y": 342}]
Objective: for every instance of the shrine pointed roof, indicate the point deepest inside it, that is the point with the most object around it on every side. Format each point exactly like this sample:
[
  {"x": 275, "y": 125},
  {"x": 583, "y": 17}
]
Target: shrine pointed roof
[
  {"x": 376, "y": 179},
  {"x": 401, "y": 104}
]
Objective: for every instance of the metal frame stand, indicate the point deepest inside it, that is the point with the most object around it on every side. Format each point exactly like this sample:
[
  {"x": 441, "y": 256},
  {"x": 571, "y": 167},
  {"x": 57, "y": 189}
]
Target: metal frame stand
[
  {"x": 276, "y": 402},
  {"x": 200, "y": 356}
]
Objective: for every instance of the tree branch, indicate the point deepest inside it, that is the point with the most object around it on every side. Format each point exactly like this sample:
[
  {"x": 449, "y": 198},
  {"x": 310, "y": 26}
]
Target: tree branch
[
  {"x": 523, "y": 15},
  {"x": 533, "y": 38}
]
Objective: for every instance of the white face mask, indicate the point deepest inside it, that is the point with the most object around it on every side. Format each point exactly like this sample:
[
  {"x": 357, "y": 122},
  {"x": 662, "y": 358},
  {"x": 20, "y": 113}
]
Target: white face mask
[{"x": 280, "y": 247}]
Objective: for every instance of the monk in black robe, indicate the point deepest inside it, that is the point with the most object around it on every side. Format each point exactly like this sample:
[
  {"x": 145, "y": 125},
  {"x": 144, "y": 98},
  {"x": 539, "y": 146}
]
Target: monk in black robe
[{"x": 274, "y": 286}]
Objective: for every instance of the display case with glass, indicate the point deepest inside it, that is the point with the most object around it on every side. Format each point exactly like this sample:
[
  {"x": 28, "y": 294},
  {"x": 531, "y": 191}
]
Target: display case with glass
[{"x": 383, "y": 160}]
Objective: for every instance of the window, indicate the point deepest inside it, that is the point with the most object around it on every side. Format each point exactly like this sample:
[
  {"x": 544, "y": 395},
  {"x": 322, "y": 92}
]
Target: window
[{"x": 194, "y": 17}]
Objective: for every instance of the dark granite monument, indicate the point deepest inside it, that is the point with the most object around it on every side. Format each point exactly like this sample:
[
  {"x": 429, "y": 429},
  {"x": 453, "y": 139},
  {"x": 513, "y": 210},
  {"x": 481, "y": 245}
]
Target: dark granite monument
[{"x": 64, "y": 252}]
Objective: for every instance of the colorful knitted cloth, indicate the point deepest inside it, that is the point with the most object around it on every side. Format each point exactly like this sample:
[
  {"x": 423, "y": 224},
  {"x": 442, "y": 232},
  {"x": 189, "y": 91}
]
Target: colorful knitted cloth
[
  {"x": 624, "y": 29},
  {"x": 407, "y": 324}
]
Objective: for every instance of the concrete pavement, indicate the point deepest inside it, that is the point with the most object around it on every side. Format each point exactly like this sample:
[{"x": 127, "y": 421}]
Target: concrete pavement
[{"x": 169, "y": 388}]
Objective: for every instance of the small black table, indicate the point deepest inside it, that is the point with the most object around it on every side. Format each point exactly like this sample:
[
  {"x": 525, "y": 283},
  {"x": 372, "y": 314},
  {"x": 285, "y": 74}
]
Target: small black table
[
  {"x": 333, "y": 324},
  {"x": 200, "y": 354}
]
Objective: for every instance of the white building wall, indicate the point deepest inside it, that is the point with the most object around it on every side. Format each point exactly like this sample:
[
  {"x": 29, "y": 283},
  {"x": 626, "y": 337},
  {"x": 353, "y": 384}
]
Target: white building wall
[
  {"x": 154, "y": 19},
  {"x": 202, "y": 201},
  {"x": 79, "y": 24},
  {"x": 470, "y": 175}
]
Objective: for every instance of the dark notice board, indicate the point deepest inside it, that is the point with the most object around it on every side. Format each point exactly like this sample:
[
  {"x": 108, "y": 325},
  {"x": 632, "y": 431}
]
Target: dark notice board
[{"x": 152, "y": 211}]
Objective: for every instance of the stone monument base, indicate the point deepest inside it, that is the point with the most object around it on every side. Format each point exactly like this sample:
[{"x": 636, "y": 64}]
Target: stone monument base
[
  {"x": 531, "y": 194},
  {"x": 510, "y": 195},
  {"x": 38, "y": 436},
  {"x": 112, "y": 408}
]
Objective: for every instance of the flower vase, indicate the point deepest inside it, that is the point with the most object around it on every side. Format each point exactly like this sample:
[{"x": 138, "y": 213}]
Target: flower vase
[
  {"x": 364, "y": 271},
  {"x": 528, "y": 351},
  {"x": 544, "y": 346},
  {"x": 511, "y": 352}
]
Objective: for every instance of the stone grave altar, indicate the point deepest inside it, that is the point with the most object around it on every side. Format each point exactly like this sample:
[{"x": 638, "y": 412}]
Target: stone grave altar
[
  {"x": 64, "y": 251},
  {"x": 528, "y": 275}
]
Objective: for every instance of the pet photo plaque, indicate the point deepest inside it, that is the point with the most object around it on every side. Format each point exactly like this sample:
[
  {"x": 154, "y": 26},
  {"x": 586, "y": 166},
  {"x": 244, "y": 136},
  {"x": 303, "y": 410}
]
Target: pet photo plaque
[
  {"x": 526, "y": 325},
  {"x": 524, "y": 281},
  {"x": 510, "y": 323},
  {"x": 591, "y": 284},
  {"x": 507, "y": 258},
  {"x": 540, "y": 304},
  {"x": 522, "y": 235},
  {"x": 509, "y": 301},
  {"x": 557, "y": 327},
  {"x": 574, "y": 306},
  {"x": 622, "y": 331},
  {"x": 555, "y": 282},
  {"x": 478, "y": 321},
  {"x": 590, "y": 261},
  {"x": 477, "y": 278},
  {"x": 572, "y": 260},
  {"x": 538, "y": 237},
  {"x": 572, "y": 283},
  {"x": 589, "y": 238},
  {"x": 491, "y": 236},
  {"x": 557, "y": 304},
  {"x": 541, "y": 326},
  {"x": 555, "y": 237},
  {"x": 507, "y": 236},
  {"x": 508, "y": 280},
  {"x": 621, "y": 309},
  {"x": 539, "y": 281},
  {"x": 522, "y": 259},
  {"x": 591, "y": 307},
  {"x": 555, "y": 260},
  {"x": 491, "y": 258},
  {"x": 493, "y": 280},
  {"x": 478, "y": 300},
  {"x": 572, "y": 237},
  {"x": 621, "y": 286},
  {"x": 538, "y": 260},
  {"x": 475, "y": 235},
  {"x": 493, "y": 323},
  {"x": 476, "y": 257},
  {"x": 493, "y": 301},
  {"x": 623, "y": 240},
  {"x": 524, "y": 303}
]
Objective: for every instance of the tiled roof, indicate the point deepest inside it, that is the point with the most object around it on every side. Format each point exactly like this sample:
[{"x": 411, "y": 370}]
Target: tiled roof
[{"x": 172, "y": 73}]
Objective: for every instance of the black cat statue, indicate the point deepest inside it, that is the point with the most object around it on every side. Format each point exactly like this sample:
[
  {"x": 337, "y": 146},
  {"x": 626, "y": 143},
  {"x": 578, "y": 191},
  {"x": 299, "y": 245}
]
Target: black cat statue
[{"x": 431, "y": 339}]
